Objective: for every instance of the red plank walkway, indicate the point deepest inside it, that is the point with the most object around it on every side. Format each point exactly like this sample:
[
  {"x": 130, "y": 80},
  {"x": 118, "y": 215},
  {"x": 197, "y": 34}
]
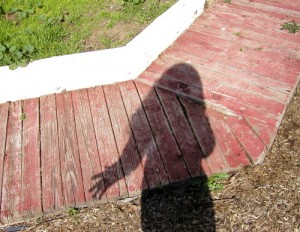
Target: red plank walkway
[{"x": 211, "y": 103}]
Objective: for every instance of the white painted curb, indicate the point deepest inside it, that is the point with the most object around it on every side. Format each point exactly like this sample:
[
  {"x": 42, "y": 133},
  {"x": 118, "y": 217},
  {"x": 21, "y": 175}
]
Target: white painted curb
[{"x": 75, "y": 71}]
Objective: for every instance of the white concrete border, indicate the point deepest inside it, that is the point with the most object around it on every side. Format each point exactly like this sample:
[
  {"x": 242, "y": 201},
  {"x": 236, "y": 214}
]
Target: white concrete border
[{"x": 75, "y": 71}]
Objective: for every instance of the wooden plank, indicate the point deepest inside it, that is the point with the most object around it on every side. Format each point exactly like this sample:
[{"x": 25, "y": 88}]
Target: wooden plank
[
  {"x": 68, "y": 151},
  {"x": 150, "y": 156},
  {"x": 213, "y": 86},
  {"x": 252, "y": 12},
  {"x": 31, "y": 175},
  {"x": 3, "y": 134},
  {"x": 288, "y": 77},
  {"x": 228, "y": 144},
  {"x": 185, "y": 137},
  {"x": 52, "y": 188},
  {"x": 249, "y": 38},
  {"x": 282, "y": 5},
  {"x": 237, "y": 4},
  {"x": 170, "y": 153},
  {"x": 254, "y": 83},
  {"x": 88, "y": 150},
  {"x": 269, "y": 28},
  {"x": 205, "y": 137},
  {"x": 129, "y": 157},
  {"x": 236, "y": 51},
  {"x": 264, "y": 132},
  {"x": 252, "y": 144},
  {"x": 112, "y": 170},
  {"x": 215, "y": 100},
  {"x": 219, "y": 67},
  {"x": 12, "y": 171}
]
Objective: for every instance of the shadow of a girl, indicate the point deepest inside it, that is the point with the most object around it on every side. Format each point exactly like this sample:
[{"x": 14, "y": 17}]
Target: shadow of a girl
[{"x": 172, "y": 136}]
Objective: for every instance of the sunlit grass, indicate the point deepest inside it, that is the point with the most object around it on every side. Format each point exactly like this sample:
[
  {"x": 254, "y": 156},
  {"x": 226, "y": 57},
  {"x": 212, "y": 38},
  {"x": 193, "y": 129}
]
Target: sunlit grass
[{"x": 62, "y": 27}]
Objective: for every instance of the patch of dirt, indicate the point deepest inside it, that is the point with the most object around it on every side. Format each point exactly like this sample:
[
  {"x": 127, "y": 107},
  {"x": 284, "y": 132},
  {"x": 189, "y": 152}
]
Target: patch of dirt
[{"x": 120, "y": 34}]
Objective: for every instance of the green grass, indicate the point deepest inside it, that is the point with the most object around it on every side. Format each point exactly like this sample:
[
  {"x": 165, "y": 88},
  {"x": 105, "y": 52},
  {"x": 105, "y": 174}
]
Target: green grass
[
  {"x": 291, "y": 26},
  {"x": 34, "y": 29}
]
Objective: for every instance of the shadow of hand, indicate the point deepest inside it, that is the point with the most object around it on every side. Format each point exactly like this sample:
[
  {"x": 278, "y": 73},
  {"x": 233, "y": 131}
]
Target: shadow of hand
[{"x": 98, "y": 189}]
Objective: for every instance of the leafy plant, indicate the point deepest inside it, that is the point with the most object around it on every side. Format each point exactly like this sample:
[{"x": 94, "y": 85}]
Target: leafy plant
[
  {"x": 2, "y": 11},
  {"x": 23, "y": 116},
  {"x": 214, "y": 182},
  {"x": 14, "y": 57},
  {"x": 227, "y": 1},
  {"x": 73, "y": 211},
  {"x": 52, "y": 21},
  {"x": 291, "y": 26}
]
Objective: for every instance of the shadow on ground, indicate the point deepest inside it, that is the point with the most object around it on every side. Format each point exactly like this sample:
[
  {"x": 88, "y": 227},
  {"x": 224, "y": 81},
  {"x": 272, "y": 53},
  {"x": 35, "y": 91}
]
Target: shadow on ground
[{"x": 171, "y": 149}]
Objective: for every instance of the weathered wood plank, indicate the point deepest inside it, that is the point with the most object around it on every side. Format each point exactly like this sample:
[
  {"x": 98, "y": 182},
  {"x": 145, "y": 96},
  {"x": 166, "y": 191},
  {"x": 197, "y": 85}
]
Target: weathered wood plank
[
  {"x": 252, "y": 144},
  {"x": 228, "y": 144},
  {"x": 218, "y": 67},
  {"x": 130, "y": 159},
  {"x": 3, "y": 134},
  {"x": 255, "y": 24},
  {"x": 271, "y": 13},
  {"x": 52, "y": 187},
  {"x": 253, "y": 12},
  {"x": 288, "y": 77},
  {"x": 170, "y": 153},
  {"x": 215, "y": 100},
  {"x": 87, "y": 144},
  {"x": 249, "y": 39},
  {"x": 283, "y": 40},
  {"x": 31, "y": 173},
  {"x": 205, "y": 137},
  {"x": 68, "y": 151},
  {"x": 213, "y": 86},
  {"x": 237, "y": 52},
  {"x": 12, "y": 171},
  {"x": 282, "y": 5},
  {"x": 264, "y": 132},
  {"x": 150, "y": 156},
  {"x": 186, "y": 140},
  {"x": 208, "y": 76},
  {"x": 112, "y": 170}
]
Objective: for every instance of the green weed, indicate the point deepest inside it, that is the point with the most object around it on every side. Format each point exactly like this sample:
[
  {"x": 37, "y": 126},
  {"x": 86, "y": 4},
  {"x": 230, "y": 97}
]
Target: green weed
[
  {"x": 227, "y": 1},
  {"x": 15, "y": 56},
  {"x": 73, "y": 211},
  {"x": 23, "y": 116},
  {"x": 214, "y": 182},
  {"x": 291, "y": 26}
]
